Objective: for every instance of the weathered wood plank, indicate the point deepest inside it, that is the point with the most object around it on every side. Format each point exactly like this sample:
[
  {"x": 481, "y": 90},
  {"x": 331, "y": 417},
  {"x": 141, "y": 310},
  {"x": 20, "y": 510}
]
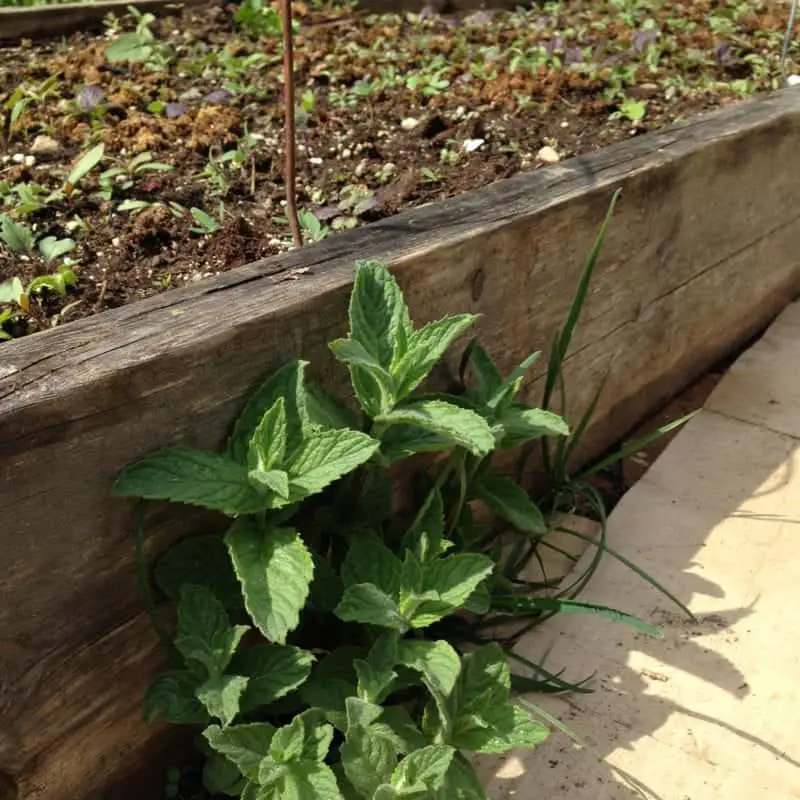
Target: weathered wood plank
[
  {"x": 43, "y": 22},
  {"x": 703, "y": 252}
]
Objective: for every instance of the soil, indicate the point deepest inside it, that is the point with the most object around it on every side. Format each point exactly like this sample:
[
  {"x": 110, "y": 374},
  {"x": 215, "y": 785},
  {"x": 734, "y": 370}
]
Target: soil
[{"x": 394, "y": 111}]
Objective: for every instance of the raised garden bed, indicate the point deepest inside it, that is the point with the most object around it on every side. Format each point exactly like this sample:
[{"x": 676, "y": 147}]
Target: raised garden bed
[
  {"x": 397, "y": 111},
  {"x": 697, "y": 259}
]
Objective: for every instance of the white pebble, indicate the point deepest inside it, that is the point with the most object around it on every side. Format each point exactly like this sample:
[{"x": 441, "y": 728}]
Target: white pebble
[
  {"x": 793, "y": 80},
  {"x": 18, "y": 158},
  {"x": 548, "y": 155},
  {"x": 347, "y": 152},
  {"x": 361, "y": 167},
  {"x": 471, "y": 145},
  {"x": 409, "y": 123}
]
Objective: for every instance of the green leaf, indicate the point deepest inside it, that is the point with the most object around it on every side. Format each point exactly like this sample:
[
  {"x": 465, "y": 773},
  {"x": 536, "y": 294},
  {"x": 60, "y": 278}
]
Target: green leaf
[
  {"x": 275, "y": 570},
  {"x": 556, "y": 604},
  {"x": 370, "y": 561},
  {"x": 17, "y": 238},
  {"x": 128, "y": 47},
  {"x": 301, "y": 780},
  {"x": 273, "y": 671},
  {"x": 11, "y": 291},
  {"x": 352, "y": 352},
  {"x": 275, "y": 481},
  {"x": 368, "y": 760},
  {"x": 437, "y": 662},
  {"x": 396, "y": 725},
  {"x": 523, "y": 732},
  {"x": 326, "y": 411},
  {"x": 86, "y": 163},
  {"x": 205, "y": 634},
  {"x": 379, "y": 319},
  {"x": 425, "y": 537},
  {"x": 221, "y": 695},
  {"x": 326, "y": 456},
  {"x": 511, "y": 502},
  {"x": 520, "y": 425},
  {"x": 52, "y": 248},
  {"x": 244, "y": 745},
  {"x": 367, "y": 604},
  {"x": 404, "y": 441},
  {"x": 376, "y": 673},
  {"x": 267, "y": 448},
  {"x": 456, "y": 577},
  {"x": 461, "y": 782},
  {"x": 509, "y": 388},
  {"x": 286, "y": 383},
  {"x": 202, "y": 561},
  {"x": 423, "y": 769},
  {"x": 486, "y": 375},
  {"x": 184, "y": 475},
  {"x": 172, "y": 698},
  {"x": 461, "y": 426},
  {"x": 332, "y": 681},
  {"x": 426, "y": 346},
  {"x": 221, "y": 776}
]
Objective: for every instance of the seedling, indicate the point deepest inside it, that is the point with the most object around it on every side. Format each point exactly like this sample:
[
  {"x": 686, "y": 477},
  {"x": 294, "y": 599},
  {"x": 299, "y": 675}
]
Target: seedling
[
  {"x": 14, "y": 293},
  {"x": 141, "y": 45},
  {"x": 205, "y": 223},
  {"x": 314, "y": 229},
  {"x": 124, "y": 174}
]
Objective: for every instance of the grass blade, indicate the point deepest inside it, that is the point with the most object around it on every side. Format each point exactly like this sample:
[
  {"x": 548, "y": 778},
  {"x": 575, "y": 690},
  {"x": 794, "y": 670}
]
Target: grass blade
[
  {"x": 632, "y": 447},
  {"x": 631, "y": 566}
]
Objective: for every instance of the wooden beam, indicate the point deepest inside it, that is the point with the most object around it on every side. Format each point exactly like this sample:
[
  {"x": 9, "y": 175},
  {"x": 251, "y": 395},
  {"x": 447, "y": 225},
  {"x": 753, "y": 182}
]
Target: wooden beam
[{"x": 703, "y": 252}]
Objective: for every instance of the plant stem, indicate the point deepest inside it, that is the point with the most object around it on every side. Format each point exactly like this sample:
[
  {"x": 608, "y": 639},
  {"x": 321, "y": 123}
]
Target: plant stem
[{"x": 289, "y": 124}]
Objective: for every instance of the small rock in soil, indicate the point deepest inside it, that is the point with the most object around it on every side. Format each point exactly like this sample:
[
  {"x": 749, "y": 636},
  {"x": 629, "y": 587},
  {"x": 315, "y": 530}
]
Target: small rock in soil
[
  {"x": 548, "y": 155},
  {"x": 45, "y": 145}
]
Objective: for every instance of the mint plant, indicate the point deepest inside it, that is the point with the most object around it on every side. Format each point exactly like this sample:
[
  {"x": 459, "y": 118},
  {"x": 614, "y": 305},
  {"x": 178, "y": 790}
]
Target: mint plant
[{"x": 321, "y": 640}]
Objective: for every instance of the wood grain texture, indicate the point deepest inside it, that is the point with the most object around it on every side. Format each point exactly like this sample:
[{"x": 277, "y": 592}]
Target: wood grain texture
[
  {"x": 702, "y": 253},
  {"x": 42, "y": 22}
]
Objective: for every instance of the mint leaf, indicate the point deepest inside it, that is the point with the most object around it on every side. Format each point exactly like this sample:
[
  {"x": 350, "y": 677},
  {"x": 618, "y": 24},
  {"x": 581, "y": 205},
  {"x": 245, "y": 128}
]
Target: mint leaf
[
  {"x": 485, "y": 372},
  {"x": 221, "y": 776},
  {"x": 332, "y": 681},
  {"x": 220, "y": 695},
  {"x": 184, "y": 475},
  {"x": 461, "y": 426},
  {"x": 367, "y": 604},
  {"x": 425, "y": 347},
  {"x": 518, "y": 730},
  {"x": 172, "y": 698},
  {"x": 376, "y": 672},
  {"x": 461, "y": 782},
  {"x": 508, "y": 389},
  {"x": 267, "y": 448},
  {"x": 352, "y": 352},
  {"x": 456, "y": 577},
  {"x": 273, "y": 671},
  {"x": 370, "y": 561},
  {"x": 425, "y": 538},
  {"x": 327, "y": 411},
  {"x": 423, "y": 769},
  {"x": 202, "y": 561},
  {"x": 521, "y": 424},
  {"x": 396, "y": 725},
  {"x": 368, "y": 761},
  {"x": 275, "y": 570},
  {"x": 404, "y": 441},
  {"x": 205, "y": 634},
  {"x": 286, "y": 383},
  {"x": 379, "y": 319},
  {"x": 275, "y": 481},
  {"x": 437, "y": 661},
  {"x": 511, "y": 502},
  {"x": 243, "y": 745},
  {"x": 300, "y": 780},
  {"x": 326, "y": 456}
]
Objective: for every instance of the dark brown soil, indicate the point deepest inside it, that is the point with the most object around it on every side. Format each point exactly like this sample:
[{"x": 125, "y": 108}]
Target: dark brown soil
[{"x": 396, "y": 111}]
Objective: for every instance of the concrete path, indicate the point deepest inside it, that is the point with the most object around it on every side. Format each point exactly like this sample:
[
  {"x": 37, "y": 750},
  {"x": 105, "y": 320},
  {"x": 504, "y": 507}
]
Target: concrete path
[{"x": 712, "y": 711}]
